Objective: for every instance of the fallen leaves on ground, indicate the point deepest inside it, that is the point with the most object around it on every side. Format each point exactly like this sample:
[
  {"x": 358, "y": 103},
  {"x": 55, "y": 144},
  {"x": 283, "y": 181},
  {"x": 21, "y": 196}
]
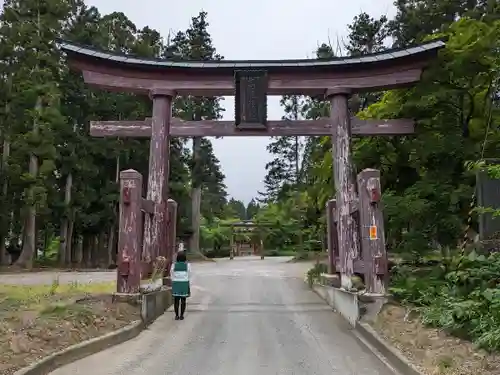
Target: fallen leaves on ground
[
  {"x": 432, "y": 350},
  {"x": 36, "y": 321}
]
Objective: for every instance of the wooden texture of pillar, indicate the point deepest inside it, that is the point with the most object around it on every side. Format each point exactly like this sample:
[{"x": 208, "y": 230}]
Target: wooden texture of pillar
[
  {"x": 371, "y": 221},
  {"x": 155, "y": 228},
  {"x": 170, "y": 249},
  {"x": 221, "y": 128},
  {"x": 130, "y": 227},
  {"x": 332, "y": 239},
  {"x": 172, "y": 228},
  {"x": 345, "y": 184}
]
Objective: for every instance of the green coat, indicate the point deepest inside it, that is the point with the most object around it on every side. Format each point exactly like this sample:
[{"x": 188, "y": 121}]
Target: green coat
[{"x": 180, "y": 280}]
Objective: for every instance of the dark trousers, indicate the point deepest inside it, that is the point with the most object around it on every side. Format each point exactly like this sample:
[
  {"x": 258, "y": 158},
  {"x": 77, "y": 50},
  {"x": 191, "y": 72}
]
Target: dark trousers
[{"x": 182, "y": 302}]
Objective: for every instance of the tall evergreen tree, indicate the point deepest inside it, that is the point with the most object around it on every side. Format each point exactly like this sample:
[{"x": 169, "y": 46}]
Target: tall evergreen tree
[
  {"x": 73, "y": 194},
  {"x": 29, "y": 30},
  {"x": 366, "y": 35},
  {"x": 236, "y": 209},
  {"x": 407, "y": 26},
  {"x": 213, "y": 189},
  {"x": 283, "y": 172},
  {"x": 196, "y": 44},
  {"x": 252, "y": 209}
]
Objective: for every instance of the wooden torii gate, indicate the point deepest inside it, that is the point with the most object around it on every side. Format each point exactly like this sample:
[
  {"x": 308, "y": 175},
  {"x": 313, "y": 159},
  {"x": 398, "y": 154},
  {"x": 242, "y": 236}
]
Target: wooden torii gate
[
  {"x": 251, "y": 82},
  {"x": 247, "y": 226}
]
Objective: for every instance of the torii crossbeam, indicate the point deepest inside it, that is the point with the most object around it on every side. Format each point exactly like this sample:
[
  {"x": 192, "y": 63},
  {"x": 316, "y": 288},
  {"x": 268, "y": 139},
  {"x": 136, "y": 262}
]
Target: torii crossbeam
[
  {"x": 336, "y": 79},
  {"x": 215, "y": 128}
]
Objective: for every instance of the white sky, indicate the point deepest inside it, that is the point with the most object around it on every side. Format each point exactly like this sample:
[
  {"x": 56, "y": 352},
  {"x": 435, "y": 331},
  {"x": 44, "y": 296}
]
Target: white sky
[{"x": 254, "y": 29}]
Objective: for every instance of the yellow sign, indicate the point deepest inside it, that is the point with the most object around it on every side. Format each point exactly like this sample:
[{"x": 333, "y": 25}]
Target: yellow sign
[{"x": 373, "y": 232}]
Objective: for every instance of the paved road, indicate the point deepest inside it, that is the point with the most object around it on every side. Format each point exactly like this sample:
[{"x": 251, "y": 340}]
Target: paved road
[{"x": 245, "y": 317}]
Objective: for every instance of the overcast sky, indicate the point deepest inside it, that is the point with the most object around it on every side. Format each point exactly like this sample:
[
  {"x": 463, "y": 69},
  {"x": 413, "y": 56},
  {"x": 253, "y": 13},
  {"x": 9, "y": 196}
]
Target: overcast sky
[{"x": 252, "y": 29}]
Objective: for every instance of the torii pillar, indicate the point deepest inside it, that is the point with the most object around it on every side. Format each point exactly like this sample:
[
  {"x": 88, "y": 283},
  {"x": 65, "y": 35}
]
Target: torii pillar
[
  {"x": 155, "y": 227},
  {"x": 345, "y": 183}
]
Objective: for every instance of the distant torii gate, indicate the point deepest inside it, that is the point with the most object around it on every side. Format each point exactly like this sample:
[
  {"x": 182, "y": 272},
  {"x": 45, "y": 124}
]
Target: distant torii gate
[
  {"x": 246, "y": 226},
  {"x": 251, "y": 82}
]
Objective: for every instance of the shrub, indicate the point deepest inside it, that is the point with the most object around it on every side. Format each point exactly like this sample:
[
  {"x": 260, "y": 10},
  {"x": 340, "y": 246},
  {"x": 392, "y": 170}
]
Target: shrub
[
  {"x": 222, "y": 252},
  {"x": 461, "y": 295},
  {"x": 315, "y": 272}
]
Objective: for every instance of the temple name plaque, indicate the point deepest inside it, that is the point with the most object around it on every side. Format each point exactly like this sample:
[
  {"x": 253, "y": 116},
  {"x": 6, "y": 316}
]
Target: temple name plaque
[{"x": 251, "y": 99}]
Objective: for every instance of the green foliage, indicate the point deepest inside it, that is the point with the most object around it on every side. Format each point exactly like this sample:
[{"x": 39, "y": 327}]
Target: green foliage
[
  {"x": 223, "y": 252},
  {"x": 213, "y": 235},
  {"x": 48, "y": 257},
  {"x": 462, "y": 296},
  {"x": 280, "y": 253},
  {"x": 315, "y": 272},
  {"x": 252, "y": 210},
  {"x": 282, "y": 223},
  {"x": 426, "y": 178},
  {"x": 75, "y": 186},
  {"x": 236, "y": 209}
]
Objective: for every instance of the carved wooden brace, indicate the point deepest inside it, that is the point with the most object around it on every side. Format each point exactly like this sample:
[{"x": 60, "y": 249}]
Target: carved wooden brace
[{"x": 372, "y": 231}]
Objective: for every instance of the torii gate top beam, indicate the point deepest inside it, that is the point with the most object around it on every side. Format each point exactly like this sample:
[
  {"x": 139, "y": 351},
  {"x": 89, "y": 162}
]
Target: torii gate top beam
[{"x": 385, "y": 70}]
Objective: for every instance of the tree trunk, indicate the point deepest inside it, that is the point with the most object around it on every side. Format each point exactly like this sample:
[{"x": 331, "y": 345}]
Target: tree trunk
[
  {"x": 194, "y": 245},
  {"x": 111, "y": 245},
  {"x": 86, "y": 250},
  {"x": 79, "y": 253},
  {"x": 4, "y": 257},
  {"x": 69, "y": 241},
  {"x": 91, "y": 253},
  {"x": 101, "y": 250},
  {"x": 63, "y": 252},
  {"x": 29, "y": 244},
  {"x": 297, "y": 155},
  {"x": 112, "y": 230}
]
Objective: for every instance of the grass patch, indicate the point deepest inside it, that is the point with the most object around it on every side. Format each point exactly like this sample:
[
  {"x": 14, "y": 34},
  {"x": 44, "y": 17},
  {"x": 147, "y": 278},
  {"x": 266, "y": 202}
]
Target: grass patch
[
  {"x": 461, "y": 295},
  {"x": 37, "y": 320},
  {"x": 455, "y": 304},
  {"x": 34, "y": 296}
]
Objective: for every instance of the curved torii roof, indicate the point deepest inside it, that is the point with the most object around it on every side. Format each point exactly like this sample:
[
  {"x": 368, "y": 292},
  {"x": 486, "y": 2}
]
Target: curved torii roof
[
  {"x": 388, "y": 69},
  {"x": 76, "y": 50}
]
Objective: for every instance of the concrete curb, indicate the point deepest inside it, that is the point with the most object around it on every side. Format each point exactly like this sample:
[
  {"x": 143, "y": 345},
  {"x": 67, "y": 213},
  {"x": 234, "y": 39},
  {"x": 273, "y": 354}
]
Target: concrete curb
[
  {"x": 386, "y": 353},
  {"x": 383, "y": 350},
  {"x": 82, "y": 350}
]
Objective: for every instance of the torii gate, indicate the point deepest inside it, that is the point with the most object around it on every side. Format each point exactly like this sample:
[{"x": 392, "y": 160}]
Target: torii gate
[{"x": 251, "y": 82}]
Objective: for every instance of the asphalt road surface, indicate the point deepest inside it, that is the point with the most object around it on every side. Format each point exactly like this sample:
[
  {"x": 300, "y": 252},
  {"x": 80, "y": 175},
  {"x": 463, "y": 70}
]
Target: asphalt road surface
[{"x": 245, "y": 317}]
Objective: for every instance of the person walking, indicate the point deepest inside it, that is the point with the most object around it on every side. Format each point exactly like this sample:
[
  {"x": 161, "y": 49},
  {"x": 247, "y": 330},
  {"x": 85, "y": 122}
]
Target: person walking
[{"x": 180, "y": 273}]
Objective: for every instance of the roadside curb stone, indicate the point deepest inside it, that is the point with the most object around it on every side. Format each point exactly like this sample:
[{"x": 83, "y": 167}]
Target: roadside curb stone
[
  {"x": 385, "y": 352},
  {"x": 388, "y": 354},
  {"x": 82, "y": 350}
]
